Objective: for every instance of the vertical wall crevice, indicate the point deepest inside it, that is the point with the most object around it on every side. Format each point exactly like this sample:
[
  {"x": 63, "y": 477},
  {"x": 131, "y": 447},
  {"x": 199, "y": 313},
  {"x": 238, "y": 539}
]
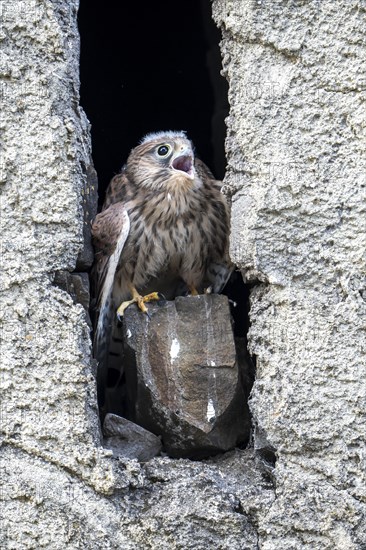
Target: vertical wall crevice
[{"x": 152, "y": 78}]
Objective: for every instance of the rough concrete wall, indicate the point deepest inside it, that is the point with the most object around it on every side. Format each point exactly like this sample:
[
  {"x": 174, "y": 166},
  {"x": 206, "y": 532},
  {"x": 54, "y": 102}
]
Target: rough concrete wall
[
  {"x": 49, "y": 423},
  {"x": 297, "y": 174},
  {"x": 59, "y": 488},
  {"x": 45, "y": 353}
]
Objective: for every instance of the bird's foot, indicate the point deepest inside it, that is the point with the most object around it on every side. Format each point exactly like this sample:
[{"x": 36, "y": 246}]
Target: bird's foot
[
  {"x": 140, "y": 301},
  {"x": 193, "y": 291}
]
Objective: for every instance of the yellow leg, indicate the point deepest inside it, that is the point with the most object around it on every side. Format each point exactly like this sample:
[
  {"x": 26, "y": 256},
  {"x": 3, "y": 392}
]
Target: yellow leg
[
  {"x": 193, "y": 290},
  {"x": 137, "y": 299}
]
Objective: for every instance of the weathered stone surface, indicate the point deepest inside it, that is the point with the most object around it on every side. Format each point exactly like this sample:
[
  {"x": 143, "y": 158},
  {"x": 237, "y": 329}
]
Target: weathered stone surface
[
  {"x": 296, "y": 177},
  {"x": 163, "y": 504},
  {"x": 296, "y": 94},
  {"x": 129, "y": 440},
  {"x": 48, "y": 401},
  {"x": 182, "y": 374},
  {"x": 77, "y": 285}
]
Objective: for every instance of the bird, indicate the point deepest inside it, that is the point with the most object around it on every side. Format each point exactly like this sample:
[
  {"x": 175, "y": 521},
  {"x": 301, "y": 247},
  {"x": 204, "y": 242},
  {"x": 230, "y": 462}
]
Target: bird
[{"x": 164, "y": 226}]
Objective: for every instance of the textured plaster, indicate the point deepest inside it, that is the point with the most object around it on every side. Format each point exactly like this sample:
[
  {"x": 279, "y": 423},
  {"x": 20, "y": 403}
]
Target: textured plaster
[
  {"x": 295, "y": 174},
  {"x": 48, "y": 396},
  {"x": 296, "y": 177}
]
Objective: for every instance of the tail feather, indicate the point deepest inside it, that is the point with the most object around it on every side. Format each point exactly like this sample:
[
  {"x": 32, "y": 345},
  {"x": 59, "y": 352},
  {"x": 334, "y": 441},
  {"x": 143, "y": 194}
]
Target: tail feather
[{"x": 106, "y": 309}]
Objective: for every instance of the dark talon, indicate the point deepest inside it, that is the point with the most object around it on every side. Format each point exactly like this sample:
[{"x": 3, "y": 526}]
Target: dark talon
[{"x": 162, "y": 300}]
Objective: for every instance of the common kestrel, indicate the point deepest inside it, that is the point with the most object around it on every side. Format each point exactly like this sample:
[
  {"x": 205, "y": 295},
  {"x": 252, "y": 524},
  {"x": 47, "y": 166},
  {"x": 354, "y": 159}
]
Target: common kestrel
[{"x": 164, "y": 226}]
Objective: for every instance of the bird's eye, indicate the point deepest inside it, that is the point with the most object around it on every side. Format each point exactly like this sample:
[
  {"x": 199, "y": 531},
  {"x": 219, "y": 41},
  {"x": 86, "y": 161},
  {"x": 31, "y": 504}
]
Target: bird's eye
[{"x": 163, "y": 150}]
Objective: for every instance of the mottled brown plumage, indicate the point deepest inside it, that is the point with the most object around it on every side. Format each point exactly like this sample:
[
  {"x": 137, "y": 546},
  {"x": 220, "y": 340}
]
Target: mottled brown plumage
[{"x": 164, "y": 220}]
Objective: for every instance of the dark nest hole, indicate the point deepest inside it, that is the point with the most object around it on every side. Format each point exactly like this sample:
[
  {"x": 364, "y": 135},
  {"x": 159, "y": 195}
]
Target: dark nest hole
[{"x": 144, "y": 69}]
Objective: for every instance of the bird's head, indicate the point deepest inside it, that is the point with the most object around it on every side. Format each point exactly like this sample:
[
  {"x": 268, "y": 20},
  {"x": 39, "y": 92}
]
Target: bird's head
[{"x": 161, "y": 159}]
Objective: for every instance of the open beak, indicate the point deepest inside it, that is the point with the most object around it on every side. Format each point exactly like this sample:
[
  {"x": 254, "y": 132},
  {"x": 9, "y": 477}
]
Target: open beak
[{"x": 183, "y": 162}]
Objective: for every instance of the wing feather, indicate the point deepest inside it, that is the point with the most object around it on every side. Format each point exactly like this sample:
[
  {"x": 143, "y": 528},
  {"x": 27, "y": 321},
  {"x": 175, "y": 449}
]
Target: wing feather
[
  {"x": 110, "y": 231},
  {"x": 203, "y": 170},
  {"x": 119, "y": 189},
  {"x": 218, "y": 274}
]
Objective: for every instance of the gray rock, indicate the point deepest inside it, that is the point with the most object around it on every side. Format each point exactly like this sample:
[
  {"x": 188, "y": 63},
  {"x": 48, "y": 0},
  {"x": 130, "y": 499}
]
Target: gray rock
[
  {"x": 129, "y": 440},
  {"x": 182, "y": 374},
  {"x": 77, "y": 285}
]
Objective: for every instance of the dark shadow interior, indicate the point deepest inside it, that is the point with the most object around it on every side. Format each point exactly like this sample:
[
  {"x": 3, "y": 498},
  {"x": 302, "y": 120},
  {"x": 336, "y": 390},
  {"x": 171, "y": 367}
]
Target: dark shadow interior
[{"x": 145, "y": 67}]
